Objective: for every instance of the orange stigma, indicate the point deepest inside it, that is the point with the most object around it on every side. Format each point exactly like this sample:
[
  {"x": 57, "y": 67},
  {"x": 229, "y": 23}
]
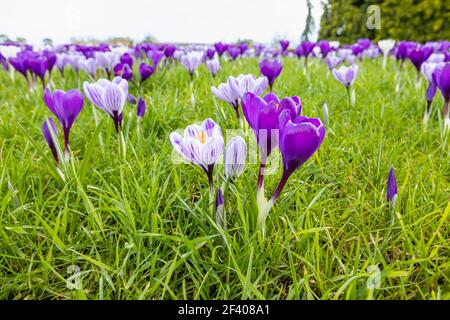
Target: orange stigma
[{"x": 202, "y": 137}]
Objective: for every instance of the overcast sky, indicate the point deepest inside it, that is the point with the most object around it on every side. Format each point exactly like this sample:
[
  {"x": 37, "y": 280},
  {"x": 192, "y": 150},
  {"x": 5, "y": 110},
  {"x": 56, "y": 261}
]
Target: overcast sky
[{"x": 167, "y": 20}]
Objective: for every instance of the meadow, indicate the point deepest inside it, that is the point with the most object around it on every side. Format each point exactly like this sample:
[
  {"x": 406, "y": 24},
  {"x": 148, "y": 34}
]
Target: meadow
[{"x": 126, "y": 222}]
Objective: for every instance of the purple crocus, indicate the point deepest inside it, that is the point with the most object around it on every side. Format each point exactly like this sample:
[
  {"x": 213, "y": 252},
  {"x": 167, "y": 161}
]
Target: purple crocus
[
  {"x": 392, "y": 187},
  {"x": 48, "y": 125},
  {"x": 123, "y": 70},
  {"x": 284, "y": 44},
  {"x": 141, "y": 108},
  {"x": 110, "y": 96},
  {"x": 233, "y": 52},
  {"x": 271, "y": 69},
  {"x": 220, "y": 48},
  {"x": 220, "y": 214},
  {"x": 428, "y": 69},
  {"x": 66, "y": 107},
  {"x": 145, "y": 71},
  {"x": 156, "y": 57},
  {"x": 262, "y": 116},
  {"x": 169, "y": 50},
  {"x": 441, "y": 77},
  {"x": 419, "y": 56},
  {"x": 201, "y": 145},
  {"x": 299, "y": 139},
  {"x": 210, "y": 53},
  {"x": 126, "y": 58},
  {"x": 325, "y": 48}
]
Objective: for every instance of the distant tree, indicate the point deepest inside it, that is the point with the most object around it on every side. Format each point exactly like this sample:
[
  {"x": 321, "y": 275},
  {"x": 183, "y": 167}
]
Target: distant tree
[
  {"x": 309, "y": 24},
  {"x": 21, "y": 40},
  {"x": 47, "y": 42},
  {"x": 418, "y": 20},
  {"x": 149, "y": 39},
  {"x": 4, "y": 38}
]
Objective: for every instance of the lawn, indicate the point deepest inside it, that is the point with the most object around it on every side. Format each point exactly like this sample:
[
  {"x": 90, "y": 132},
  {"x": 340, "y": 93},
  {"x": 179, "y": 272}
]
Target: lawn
[{"x": 122, "y": 220}]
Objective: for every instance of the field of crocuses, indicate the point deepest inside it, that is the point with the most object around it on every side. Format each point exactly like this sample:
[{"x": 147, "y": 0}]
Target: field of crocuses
[{"x": 226, "y": 171}]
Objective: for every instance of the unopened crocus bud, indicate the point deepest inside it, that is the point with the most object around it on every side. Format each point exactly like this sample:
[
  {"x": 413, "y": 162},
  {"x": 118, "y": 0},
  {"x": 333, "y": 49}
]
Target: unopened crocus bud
[
  {"x": 145, "y": 71},
  {"x": 131, "y": 99},
  {"x": 48, "y": 125},
  {"x": 392, "y": 187},
  {"x": 325, "y": 112},
  {"x": 141, "y": 108},
  {"x": 220, "y": 219},
  {"x": 235, "y": 156}
]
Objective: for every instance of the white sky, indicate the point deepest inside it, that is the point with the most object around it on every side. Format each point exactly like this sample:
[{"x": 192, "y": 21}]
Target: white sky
[{"x": 167, "y": 20}]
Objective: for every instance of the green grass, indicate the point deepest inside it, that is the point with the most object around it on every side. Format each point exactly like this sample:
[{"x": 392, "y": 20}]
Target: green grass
[{"x": 139, "y": 226}]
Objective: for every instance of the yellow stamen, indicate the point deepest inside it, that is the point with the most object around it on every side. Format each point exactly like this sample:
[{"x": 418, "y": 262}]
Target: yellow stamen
[{"x": 202, "y": 137}]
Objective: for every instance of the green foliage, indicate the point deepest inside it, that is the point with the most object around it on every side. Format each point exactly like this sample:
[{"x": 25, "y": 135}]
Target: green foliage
[
  {"x": 418, "y": 20},
  {"x": 138, "y": 226}
]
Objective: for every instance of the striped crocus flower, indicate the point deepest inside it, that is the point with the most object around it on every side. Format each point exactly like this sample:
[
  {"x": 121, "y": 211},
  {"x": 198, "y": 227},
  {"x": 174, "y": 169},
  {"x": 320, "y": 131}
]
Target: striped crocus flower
[
  {"x": 235, "y": 156},
  {"x": 201, "y": 145},
  {"x": 110, "y": 96}
]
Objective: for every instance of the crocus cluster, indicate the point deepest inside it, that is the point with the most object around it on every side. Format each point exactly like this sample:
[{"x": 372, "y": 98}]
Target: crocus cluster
[{"x": 279, "y": 124}]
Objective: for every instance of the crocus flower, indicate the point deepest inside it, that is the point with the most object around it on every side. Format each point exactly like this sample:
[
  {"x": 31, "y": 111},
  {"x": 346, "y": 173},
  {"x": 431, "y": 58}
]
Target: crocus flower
[
  {"x": 284, "y": 44},
  {"x": 226, "y": 93},
  {"x": 386, "y": 46},
  {"x": 156, "y": 57},
  {"x": 145, "y": 71},
  {"x": 325, "y": 47},
  {"x": 248, "y": 83},
  {"x": 392, "y": 187},
  {"x": 131, "y": 99},
  {"x": 48, "y": 125},
  {"x": 210, "y": 53},
  {"x": 220, "y": 48},
  {"x": 441, "y": 77},
  {"x": 262, "y": 116},
  {"x": 201, "y": 146},
  {"x": 428, "y": 69},
  {"x": 235, "y": 156},
  {"x": 110, "y": 96},
  {"x": 126, "y": 58},
  {"x": 419, "y": 56},
  {"x": 332, "y": 61},
  {"x": 436, "y": 57},
  {"x": 66, "y": 107},
  {"x": 220, "y": 218},
  {"x": 39, "y": 66},
  {"x": 191, "y": 61},
  {"x": 51, "y": 60},
  {"x": 123, "y": 70},
  {"x": 300, "y": 137},
  {"x": 233, "y": 52},
  {"x": 234, "y": 89},
  {"x": 169, "y": 50},
  {"x": 141, "y": 108},
  {"x": 213, "y": 66},
  {"x": 88, "y": 65},
  {"x": 307, "y": 48},
  {"x": 271, "y": 70},
  {"x": 346, "y": 75}
]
